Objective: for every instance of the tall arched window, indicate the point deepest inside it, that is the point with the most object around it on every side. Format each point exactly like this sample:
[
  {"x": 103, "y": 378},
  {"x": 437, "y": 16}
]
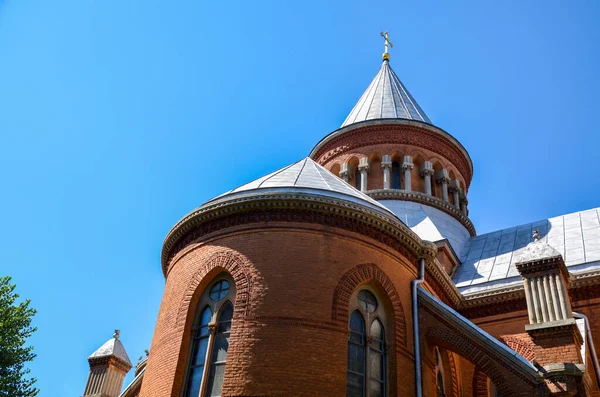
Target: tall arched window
[
  {"x": 367, "y": 370},
  {"x": 439, "y": 377},
  {"x": 210, "y": 331},
  {"x": 396, "y": 175},
  {"x": 357, "y": 179}
]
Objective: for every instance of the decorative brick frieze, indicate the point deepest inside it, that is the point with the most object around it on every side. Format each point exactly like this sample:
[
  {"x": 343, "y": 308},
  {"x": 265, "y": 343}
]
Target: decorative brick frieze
[
  {"x": 398, "y": 132},
  {"x": 295, "y": 207}
]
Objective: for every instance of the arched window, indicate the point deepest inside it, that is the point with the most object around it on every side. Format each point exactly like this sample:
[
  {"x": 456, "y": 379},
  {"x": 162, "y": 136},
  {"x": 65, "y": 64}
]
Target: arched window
[
  {"x": 396, "y": 175},
  {"x": 367, "y": 370},
  {"x": 211, "y": 330},
  {"x": 493, "y": 391},
  {"x": 357, "y": 179},
  {"x": 439, "y": 377}
]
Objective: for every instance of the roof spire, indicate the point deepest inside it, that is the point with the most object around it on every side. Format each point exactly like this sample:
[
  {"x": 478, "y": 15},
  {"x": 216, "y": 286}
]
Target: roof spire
[{"x": 386, "y": 42}]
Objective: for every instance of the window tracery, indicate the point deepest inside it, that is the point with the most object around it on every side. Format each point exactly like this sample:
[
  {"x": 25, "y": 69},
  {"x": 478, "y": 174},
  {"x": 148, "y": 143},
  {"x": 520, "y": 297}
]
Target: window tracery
[
  {"x": 210, "y": 339},
  {"x": 367, "y": 347}
]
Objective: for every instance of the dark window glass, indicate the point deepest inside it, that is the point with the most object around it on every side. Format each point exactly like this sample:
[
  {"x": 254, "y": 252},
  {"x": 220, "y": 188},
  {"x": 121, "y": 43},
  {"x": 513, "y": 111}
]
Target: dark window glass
[
  {"x": 355, "y": 384},
  {"x": 367, "y": 301},
  {"x": 219, "y": 352},
  {"x": 357, "y": 179},
  {"x": 396, "y": 175},
  {"x": 219, "y": 290},
  {"x": 199, "y": 349},
  {"x": 440, "y": 385}
]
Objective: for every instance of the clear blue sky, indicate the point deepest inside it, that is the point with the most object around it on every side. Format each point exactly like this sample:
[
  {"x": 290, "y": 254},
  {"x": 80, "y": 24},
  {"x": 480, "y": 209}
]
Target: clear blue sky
[{"x": 118, "y": 117}]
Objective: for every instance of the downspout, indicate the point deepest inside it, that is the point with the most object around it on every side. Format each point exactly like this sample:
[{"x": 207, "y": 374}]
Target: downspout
[
  {"x": 590, "y": 341},
  {"x": 415, "y": 313}
]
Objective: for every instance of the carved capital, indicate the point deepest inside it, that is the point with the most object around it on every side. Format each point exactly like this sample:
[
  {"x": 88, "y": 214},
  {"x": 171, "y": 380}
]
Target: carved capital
[{"x": 427, "y": 169}]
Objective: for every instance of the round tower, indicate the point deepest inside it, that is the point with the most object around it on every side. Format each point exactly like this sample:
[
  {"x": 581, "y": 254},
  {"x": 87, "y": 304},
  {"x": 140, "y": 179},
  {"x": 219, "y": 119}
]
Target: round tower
[{"x": 389, "y": 149}]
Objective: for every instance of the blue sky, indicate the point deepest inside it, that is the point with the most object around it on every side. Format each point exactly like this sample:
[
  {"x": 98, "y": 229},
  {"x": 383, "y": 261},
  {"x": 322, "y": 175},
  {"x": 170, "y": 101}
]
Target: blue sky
[{"x": 118, "y": 117}]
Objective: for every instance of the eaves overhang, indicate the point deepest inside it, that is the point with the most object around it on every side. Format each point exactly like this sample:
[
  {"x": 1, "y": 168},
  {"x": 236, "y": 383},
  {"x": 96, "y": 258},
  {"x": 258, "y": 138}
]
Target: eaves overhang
[
  {"x": 518, "y": 363},
  {"x": 332, "y": 204}
]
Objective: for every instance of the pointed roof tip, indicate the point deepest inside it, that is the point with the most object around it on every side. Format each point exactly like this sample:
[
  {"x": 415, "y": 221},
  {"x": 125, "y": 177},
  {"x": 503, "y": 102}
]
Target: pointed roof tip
[
  {"x": 386, "y": 98},
  {"x": 112, "y": 348}
]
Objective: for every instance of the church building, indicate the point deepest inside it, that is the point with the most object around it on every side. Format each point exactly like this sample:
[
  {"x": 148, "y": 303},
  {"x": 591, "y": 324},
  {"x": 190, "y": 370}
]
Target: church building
[{"x": 356, "y": 272}]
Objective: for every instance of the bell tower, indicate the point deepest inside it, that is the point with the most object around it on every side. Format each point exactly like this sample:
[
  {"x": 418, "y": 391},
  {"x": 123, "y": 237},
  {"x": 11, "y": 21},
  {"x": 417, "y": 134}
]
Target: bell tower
[{"x": 389, "y": 148}]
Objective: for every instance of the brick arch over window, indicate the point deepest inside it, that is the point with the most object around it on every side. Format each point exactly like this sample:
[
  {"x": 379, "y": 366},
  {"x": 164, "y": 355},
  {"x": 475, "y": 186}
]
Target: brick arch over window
[
  {"x": 480, "y": 384},
  {"x": 370, "y": 273},
  {"x": 209, "y": 266},
  {"x": 362, "y": 274},
  {"x": 451, "y": 375},
  {"x": 238, "y": 267},
  {"x": 521, "y": 343}
]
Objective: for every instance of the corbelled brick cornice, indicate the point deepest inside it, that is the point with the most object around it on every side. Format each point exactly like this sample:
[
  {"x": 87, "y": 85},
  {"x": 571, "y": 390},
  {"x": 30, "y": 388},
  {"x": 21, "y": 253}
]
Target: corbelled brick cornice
[
  {"x": 296, "y": 207},
  {"x": 395, "y": 131}
]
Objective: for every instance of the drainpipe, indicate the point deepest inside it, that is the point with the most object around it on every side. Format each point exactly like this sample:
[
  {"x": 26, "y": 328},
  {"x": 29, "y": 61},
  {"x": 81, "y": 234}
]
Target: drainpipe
[
  {"x": 415, "y": 313},
  {"x": 590, "y": 341}
]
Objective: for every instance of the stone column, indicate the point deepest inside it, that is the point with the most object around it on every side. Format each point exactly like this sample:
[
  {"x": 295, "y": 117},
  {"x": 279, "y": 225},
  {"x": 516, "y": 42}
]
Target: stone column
[
  {"x": 443, "y": 179},
  {"x": 363, "y": 167},
  {"x": 345, "y": 172},
  {"x": 407, "y": 166},
  {"x": 386, "y": 165},
  {"x": 455, "y": 187},
  {"x": 427, "y": 173},
  {"x": 553, "y": 331},
  {"x": 463, "y": 204}
]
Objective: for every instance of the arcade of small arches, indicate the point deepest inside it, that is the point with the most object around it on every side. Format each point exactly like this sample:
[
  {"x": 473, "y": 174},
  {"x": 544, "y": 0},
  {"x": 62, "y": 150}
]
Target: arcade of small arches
[{"x": 407, "y": 173}]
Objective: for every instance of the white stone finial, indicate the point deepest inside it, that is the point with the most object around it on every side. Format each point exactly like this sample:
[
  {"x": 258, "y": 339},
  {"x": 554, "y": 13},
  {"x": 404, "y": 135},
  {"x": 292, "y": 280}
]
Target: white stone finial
[
  {"x": 117, "y": 334},
  {"x": 536, "y": 235}
]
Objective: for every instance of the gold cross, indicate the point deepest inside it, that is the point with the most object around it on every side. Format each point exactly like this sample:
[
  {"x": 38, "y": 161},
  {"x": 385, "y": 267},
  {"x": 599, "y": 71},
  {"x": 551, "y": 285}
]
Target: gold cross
[{"x": 386, "y": 42}]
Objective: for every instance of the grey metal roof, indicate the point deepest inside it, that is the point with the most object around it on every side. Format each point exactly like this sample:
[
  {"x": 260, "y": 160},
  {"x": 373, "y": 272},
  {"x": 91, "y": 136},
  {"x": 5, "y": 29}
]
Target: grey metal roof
[
  {"x": 386, "y": 98},
  {"x": 489, "y": 259},
  {"x": 308, "y": 176},
  {"x": 113, "y": 347}
]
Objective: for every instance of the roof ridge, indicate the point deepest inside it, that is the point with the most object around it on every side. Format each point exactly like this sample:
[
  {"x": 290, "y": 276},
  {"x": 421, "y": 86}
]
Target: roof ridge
[
  {"x": 386, "y": 97},
  {"x": 301, "y": 170}
]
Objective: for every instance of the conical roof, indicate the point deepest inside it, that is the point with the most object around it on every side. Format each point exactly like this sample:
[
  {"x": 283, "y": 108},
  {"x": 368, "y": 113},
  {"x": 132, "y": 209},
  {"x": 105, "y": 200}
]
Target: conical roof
[
  {"x": 112, "y": 348},
  {"x": 386, "y": 98},
  {"x": 305, "y": 175}
]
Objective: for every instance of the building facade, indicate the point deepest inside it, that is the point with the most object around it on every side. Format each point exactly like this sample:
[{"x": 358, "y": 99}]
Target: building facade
[{"x": 357, "y": 272}]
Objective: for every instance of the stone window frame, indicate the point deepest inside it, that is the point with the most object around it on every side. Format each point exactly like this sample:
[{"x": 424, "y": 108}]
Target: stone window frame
[
  {"x": 215, "y": 306},
  {"x": 368, "y": 318}
]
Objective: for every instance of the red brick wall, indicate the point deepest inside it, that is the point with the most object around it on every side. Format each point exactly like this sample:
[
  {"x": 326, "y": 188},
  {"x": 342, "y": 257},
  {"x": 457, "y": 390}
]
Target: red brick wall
[{"x": 284, "y": 340}]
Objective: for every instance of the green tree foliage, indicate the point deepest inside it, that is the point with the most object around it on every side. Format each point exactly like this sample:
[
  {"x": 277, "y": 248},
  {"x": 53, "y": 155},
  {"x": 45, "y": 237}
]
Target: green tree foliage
[{"x": 15, "y": 328}]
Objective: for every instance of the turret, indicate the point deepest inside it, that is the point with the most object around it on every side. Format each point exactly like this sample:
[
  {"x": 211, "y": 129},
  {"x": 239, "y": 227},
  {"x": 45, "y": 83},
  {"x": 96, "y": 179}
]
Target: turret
[
  {"x": 389, "y": 149},
  {"x": 108, "y": 367}
]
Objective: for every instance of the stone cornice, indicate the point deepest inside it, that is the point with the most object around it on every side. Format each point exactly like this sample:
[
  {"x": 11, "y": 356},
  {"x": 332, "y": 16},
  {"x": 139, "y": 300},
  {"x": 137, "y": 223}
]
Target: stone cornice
[
  {"x": 435, "y": 270},
  {"x": 422, "y": 198},
  {"x": 535, "y": 267},
  {"x": 295, "y": 207},
  {"x": 446, "y": 143},
  {"x": 109, "y": 361}
]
